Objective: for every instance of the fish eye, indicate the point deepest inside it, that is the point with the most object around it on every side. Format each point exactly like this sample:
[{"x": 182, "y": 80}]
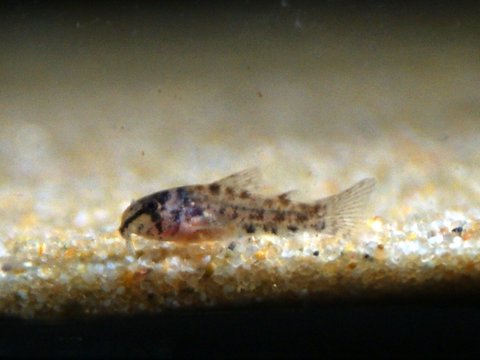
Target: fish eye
[{"x": 151, "y": 205}]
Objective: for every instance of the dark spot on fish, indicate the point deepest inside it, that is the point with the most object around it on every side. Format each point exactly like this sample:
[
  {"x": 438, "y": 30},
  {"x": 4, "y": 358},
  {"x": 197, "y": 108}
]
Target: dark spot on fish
[
  {"x": 316, "y": 253},
  {"x": 256, "y": 215},
  {"x": 197, "y": 211},
  {"x": 302, "y": 217},
  {"x": 199, "y": 187},
  {"x": 158, "y": 225},
  {"x": 229, "y": 190},
  {"x": 284, "y": 200},
  {"x": 175, "y": 216},
  {"x": 268, "y": 203},
  {"x": 155, "y": 216},
  {"x": 221, "y": 211},
  {"x": 183, "y": 196},
  {"x": 244, "y": 195},
  {"x": 279, "y": 217},
  {"x": 319, "y": 208},
  {"x": 304, "y": 207},
  {"x": 250, "y": 228},
  {"x": 214, "y": 189},
  {"x": 163, "y": 197},
  {"x": 292, "y": 228},
  {"x": 194, "y": 211},
  {"x": 151, "y": 206},
  {"x": 272, "y": 229}
]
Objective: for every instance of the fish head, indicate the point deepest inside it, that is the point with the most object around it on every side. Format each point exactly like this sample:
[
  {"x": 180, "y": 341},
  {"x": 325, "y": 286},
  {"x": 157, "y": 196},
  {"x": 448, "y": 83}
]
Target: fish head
[{"x": 142, "y": 217}]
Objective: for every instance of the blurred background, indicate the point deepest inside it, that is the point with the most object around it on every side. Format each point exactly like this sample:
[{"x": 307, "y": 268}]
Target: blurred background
[{"x": 90, "y": 90}]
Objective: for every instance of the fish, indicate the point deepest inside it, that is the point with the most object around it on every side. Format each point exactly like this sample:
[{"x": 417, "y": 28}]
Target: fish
[{"x": 209, "y": 211}]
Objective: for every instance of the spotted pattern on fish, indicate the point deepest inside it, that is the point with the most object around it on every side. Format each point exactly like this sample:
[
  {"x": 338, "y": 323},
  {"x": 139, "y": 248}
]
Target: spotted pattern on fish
[{"x": 184, "y": 213}]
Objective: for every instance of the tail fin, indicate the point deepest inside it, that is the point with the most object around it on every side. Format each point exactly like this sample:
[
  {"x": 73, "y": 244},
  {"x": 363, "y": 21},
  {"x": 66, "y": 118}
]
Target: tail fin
[{"x": 340, "y": 213}]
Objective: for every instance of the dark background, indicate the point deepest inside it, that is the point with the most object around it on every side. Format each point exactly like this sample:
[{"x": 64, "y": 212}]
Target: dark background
[{"x": 391, "y": 329}]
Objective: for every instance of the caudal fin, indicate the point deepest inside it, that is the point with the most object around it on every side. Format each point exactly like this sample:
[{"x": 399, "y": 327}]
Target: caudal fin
[{"x": 340, "y": 213}]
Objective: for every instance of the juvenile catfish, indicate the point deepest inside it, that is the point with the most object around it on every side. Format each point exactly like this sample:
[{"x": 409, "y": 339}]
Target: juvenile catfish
[{"x": 196, "y": 212}]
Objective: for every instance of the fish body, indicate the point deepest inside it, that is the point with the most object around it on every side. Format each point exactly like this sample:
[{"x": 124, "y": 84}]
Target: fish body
[{"x": 197, "y": 212}]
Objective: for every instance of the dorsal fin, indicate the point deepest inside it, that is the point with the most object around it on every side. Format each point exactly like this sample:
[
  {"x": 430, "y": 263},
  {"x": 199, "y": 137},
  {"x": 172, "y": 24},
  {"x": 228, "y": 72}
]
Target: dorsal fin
[
  {"x": 248, "y": 179},
  {"x": 284, "y": 198},
  {"x": 287, "y": 194}
]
